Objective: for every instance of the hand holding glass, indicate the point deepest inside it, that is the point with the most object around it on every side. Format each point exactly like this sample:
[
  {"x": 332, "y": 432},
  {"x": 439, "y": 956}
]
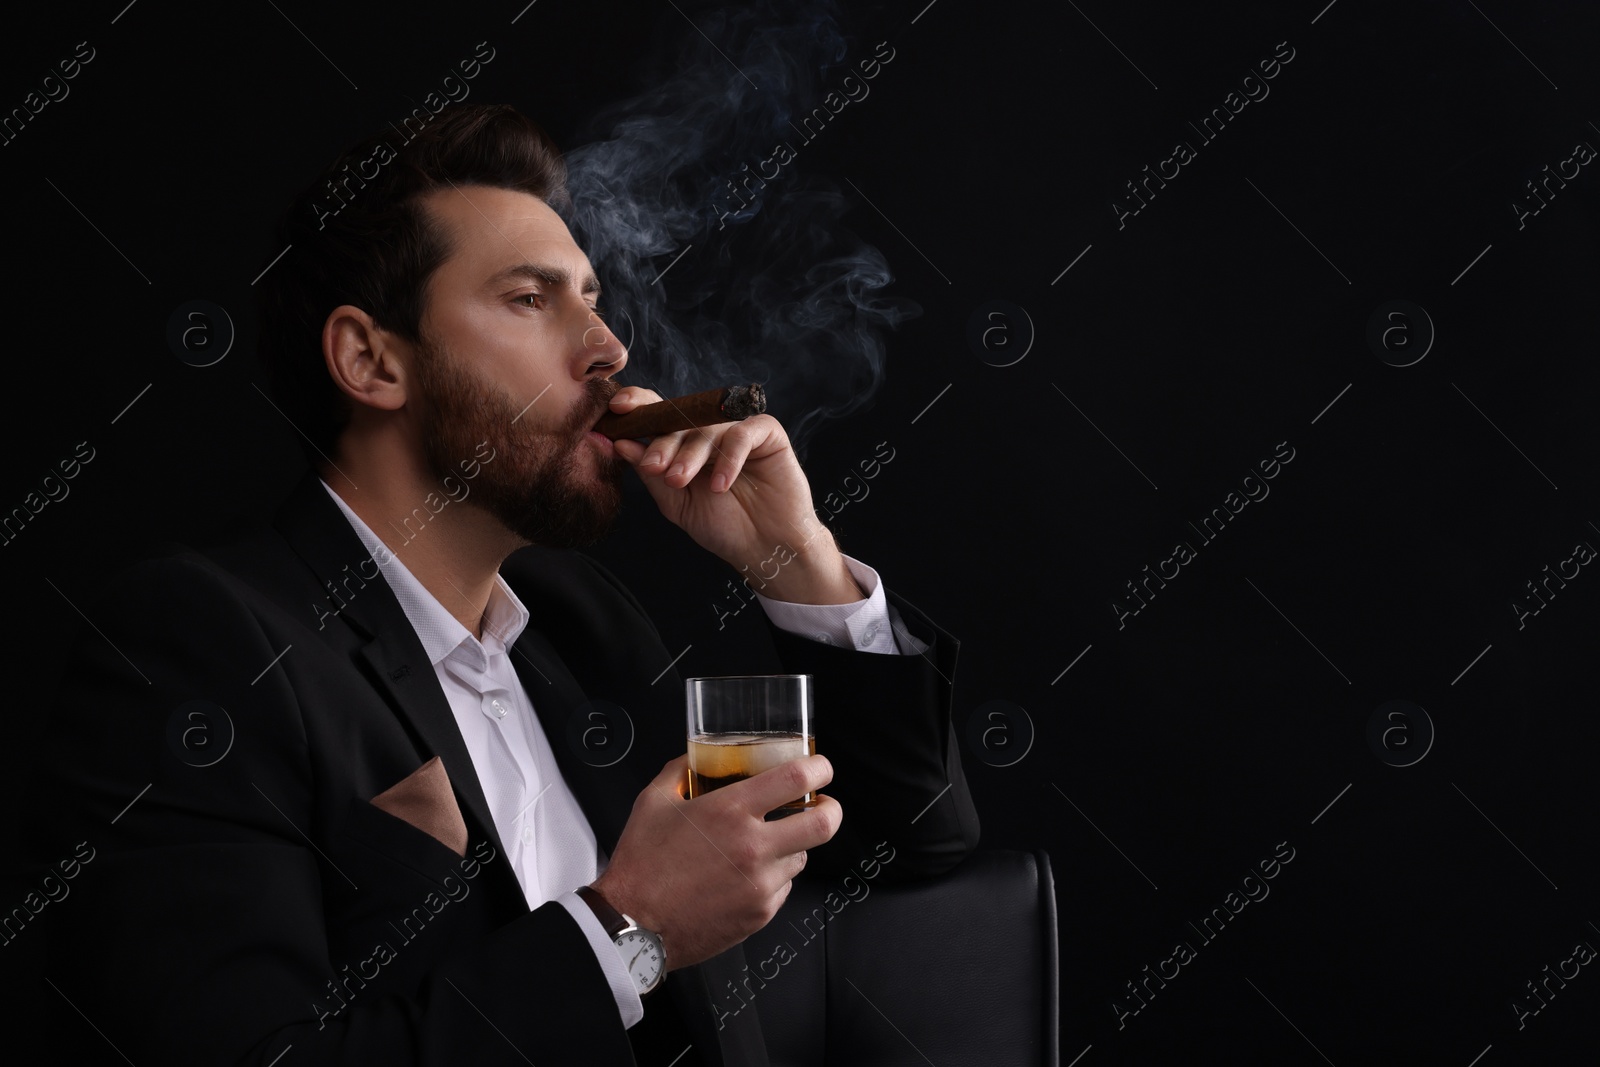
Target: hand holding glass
[{"x": 741, "y": 726}]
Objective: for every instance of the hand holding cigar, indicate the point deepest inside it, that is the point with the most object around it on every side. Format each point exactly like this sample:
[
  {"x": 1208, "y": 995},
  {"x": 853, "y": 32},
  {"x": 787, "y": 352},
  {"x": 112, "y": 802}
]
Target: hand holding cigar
[
  {"x": 730, "y": 403},
  {"x": 692, "y": 478}
]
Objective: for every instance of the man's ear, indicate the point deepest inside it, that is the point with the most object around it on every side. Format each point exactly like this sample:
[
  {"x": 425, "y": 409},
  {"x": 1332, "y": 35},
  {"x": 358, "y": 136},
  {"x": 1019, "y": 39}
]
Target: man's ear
[{"x": 363, "y": 359}]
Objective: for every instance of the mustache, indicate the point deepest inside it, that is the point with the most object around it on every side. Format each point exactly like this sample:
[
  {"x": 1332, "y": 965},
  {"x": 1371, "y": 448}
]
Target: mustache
[{"x": 589, "y": 410}]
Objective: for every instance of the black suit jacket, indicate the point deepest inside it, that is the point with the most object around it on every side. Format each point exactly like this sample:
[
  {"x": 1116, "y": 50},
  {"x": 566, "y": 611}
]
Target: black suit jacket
[{"x": 245, "y": 896}]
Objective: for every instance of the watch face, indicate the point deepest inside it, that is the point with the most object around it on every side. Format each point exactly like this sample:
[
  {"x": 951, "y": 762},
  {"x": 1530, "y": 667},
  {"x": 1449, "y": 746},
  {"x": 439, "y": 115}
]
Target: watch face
[{"x": 642, "y": 954}]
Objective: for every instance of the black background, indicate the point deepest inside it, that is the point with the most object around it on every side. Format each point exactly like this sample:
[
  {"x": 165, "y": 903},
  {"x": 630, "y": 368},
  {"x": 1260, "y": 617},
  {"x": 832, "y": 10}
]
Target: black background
[{"x": 1219, "y": 721}]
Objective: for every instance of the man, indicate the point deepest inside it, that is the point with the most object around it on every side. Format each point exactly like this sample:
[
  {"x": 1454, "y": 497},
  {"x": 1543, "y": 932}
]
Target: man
[{"x": 328, "y": 771}]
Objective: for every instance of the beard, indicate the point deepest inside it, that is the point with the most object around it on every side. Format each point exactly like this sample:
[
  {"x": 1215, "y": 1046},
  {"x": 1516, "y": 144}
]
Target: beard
[{"x": 538, "y": 483}]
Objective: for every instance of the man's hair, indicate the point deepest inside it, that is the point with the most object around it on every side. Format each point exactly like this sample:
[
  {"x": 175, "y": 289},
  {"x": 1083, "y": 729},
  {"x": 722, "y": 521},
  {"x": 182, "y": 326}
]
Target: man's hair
[{"x": 360, "y": 236}]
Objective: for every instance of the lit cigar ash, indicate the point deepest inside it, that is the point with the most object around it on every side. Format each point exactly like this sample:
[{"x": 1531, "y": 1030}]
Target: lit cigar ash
[{"x": 728, "y": 404}]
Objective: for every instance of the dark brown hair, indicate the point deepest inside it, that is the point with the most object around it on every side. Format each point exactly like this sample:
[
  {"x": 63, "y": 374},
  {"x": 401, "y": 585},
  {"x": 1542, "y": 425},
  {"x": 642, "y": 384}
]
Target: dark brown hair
[{"x": 358, "y": 235}]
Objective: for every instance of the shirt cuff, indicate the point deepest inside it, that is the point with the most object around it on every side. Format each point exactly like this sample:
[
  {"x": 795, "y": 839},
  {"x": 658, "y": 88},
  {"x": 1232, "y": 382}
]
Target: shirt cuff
[
  {"x": 629, "y": 1005},
  {"x": 865, "y": 625}
]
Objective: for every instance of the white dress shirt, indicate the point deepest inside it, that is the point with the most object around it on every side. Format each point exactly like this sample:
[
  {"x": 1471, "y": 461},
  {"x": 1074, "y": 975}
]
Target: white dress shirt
[{"x": 548, "y": 841}]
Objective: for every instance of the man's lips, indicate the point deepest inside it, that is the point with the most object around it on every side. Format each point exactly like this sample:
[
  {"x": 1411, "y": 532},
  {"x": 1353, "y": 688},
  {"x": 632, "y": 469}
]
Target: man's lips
[{"x": 604, "y": 442}]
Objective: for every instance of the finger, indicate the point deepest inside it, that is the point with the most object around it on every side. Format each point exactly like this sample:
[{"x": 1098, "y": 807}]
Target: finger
[
  {"x": 795, "y": 864},
  {"x": 760, "y": 793},
  {"x": 664, "y": 495},
  {"x": 735, "y": 447},
  {"x": 673, "y": 778},
  {"x": 642, "y": 455},
  {"x": 631, "y": 396},
  {"x": 650, "y": 457},
  {"x": 661, "y": 451},
  {"x": 811, "y": 828},
  {"x": 694, "y": 449},
  {"x": 629, "y": 450}
]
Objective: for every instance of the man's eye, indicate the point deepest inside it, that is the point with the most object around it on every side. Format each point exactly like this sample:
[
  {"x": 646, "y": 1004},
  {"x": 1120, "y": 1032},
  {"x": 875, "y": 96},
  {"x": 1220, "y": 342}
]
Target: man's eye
[
  {"x": 598, "y": 310},
  {"x": 530, "y": 296}
]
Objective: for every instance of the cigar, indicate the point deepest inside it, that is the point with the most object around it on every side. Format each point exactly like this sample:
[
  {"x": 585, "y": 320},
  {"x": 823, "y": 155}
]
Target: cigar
[{"x": 728, "y": 404}]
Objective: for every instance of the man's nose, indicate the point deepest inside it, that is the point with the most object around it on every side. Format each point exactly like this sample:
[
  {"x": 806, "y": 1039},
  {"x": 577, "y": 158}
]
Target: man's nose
[{"x": 603, "y": 355}]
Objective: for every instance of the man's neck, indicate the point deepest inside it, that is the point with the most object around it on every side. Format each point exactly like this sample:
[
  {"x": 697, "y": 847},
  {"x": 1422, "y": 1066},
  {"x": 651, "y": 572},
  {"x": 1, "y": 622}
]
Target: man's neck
[{"x": 452, "y": 547}]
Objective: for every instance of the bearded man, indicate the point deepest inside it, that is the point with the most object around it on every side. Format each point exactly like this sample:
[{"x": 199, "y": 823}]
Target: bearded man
[{"x": 328, "y": 768}]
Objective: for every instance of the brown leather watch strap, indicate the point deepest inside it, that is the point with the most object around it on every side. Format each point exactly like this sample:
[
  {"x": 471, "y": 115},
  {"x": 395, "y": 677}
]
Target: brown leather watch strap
[{"x": 609, "y": 917}]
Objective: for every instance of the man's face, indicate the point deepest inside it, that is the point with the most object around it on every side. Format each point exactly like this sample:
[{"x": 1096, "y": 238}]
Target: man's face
[{"x": 513, "y": 353}]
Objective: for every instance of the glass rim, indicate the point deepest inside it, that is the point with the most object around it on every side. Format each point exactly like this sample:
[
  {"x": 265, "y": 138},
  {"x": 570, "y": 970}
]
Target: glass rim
[{"x": 740, "y": 677}]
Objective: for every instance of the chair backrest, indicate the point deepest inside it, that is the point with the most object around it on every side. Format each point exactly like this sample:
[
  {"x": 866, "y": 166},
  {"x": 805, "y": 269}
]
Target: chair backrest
[{"x": 959, "y": 970}]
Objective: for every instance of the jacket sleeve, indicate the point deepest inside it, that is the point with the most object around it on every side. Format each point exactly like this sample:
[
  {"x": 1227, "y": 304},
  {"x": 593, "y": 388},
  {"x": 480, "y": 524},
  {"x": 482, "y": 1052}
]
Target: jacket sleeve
[
  {"x": 199, "y": 930},
  {"x": 884, "y": 722}
]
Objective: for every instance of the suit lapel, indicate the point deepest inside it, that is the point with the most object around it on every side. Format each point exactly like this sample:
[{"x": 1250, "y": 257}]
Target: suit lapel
[
  {"x": 387, "y": 648},
  {"x": 400, "y": 669}
]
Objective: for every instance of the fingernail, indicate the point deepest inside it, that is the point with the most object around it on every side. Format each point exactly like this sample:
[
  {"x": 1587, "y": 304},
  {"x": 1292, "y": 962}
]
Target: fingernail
[
  {"x": 652, "y": 459},
  {"x": 719, "y": 483},
  {"x": 677, "y": 469}
]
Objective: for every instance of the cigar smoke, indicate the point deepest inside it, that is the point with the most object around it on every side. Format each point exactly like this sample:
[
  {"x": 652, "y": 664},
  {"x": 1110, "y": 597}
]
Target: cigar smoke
[{"x": 778, "y": 291}]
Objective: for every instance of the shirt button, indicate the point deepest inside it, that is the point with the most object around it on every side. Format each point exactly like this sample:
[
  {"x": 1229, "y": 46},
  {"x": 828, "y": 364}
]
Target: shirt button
[
  {"x": 527, "y": 834},
  {"x": 499, "y": 709},
  {"x": 872, "y": 632}
]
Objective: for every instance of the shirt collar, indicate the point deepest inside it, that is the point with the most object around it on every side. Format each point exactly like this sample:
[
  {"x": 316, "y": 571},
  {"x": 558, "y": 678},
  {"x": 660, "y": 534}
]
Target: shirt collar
[{"x": 440, "y": 632}]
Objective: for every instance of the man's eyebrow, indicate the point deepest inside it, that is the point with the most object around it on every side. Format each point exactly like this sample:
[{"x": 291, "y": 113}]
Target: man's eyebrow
[{"x": 551, "y": 276}]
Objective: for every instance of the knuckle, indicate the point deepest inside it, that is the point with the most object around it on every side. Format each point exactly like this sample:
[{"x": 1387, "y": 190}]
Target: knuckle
[
  {"x": 797, "y": 777},
  {"x": 756, "y": 914},
  {"x": 744, "y": 852},
  {"x": 831, "y": 815},
  {"x": 775, "y": 879}
]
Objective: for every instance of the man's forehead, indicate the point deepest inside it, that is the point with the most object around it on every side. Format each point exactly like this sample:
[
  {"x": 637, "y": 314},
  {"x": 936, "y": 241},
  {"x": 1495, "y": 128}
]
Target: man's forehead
[
  {"x": 498, "y": 233},
  {"x": 477, "y": 210},
  {"x": 491, "y": 200}
]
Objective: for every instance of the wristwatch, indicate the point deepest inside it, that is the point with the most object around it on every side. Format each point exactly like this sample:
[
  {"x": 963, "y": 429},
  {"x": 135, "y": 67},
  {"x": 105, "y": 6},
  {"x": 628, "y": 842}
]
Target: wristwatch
[{"x": 643, "y": 954}]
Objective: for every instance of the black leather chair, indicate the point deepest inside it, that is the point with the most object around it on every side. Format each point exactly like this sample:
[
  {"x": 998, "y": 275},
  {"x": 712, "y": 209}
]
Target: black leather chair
[{"x": 959, "y": 971}]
